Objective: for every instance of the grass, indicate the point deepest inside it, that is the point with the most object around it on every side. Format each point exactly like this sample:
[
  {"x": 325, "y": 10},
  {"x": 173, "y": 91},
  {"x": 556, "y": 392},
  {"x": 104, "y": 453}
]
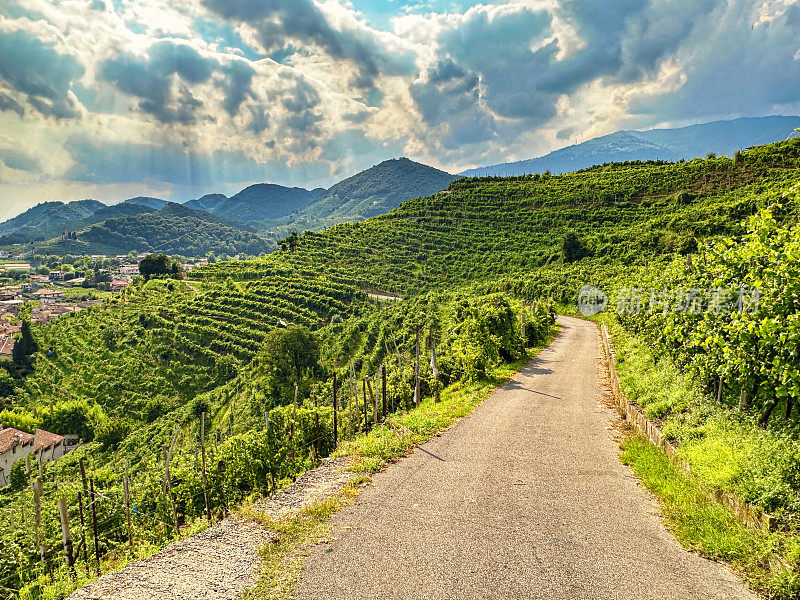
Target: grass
[
  {"x": 725, "y": 448},
  {"x": 709, "y": 529},
  {"x": 284, "y": 559}
]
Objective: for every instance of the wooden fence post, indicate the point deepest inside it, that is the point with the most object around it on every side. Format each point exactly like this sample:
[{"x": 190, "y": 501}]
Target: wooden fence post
[
  {"x": 37, "y": 515},
  {"x": 417, "y": 390},
  {"x": 66, "y": 534},
  {"x": 335, "y": 414},
  {"x": 94, "y": 524},
  {"x": 126, "y": 490},
  {"x": 81, "y": 497},
  {"x": 203, "y": 451},
  {"x": 383, "y": 383},
  {"x": 168, "y": 478}
]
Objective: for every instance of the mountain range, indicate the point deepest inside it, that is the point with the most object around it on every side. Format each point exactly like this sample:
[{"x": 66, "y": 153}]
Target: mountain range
[
  {"x": 720, "y": 137},
  {"x": 252, "y": 220}
]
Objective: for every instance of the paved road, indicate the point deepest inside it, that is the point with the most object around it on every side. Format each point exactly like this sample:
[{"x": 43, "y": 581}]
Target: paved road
[{"x": 524, "y": 499}]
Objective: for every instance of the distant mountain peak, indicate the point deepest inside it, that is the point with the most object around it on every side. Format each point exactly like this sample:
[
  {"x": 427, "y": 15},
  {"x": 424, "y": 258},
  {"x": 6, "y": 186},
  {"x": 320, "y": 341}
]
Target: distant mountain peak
[{"x": 720, "y": 137}]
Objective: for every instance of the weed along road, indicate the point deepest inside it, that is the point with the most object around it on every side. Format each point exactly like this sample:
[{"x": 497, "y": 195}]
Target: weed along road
[{"x": 526, "y": 498}]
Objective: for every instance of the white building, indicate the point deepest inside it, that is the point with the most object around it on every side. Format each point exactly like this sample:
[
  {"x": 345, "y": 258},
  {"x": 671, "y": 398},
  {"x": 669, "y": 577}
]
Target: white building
[
  {"x": 129, "y": 270},
  {"x": 47, "y": 296},
  {"x": 16, "y": 445}
]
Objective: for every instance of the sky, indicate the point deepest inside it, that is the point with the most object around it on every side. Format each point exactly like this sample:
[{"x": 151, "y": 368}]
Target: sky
[{"x": 110, "y": 99}]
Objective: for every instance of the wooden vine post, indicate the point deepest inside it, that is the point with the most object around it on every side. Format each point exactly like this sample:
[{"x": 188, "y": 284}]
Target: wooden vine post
[
  {"x": 168, "y": 478},
  {"x": 83, "y": 532},
  {"x": 126, "y": 490},
  {"x": 316, "y": 428},
  {"x": 383, "y": 385},
  {"x": 335, "y": 414},
  {"x": 205, "y": 469},
  {"x": 94, "y": 524},
  {"x": 366, "y": 414},
  {"x": 374, "y": 402},
  {"x": 417, "y": 390},
  {"x": 66, "y": 534},
  {"x": 434, "y": 365},
  {"x": 37, "y": 515}
]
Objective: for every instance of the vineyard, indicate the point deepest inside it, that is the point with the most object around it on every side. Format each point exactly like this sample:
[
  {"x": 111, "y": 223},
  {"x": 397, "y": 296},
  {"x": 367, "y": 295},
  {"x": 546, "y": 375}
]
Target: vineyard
[{"x": 252, "y": 353}]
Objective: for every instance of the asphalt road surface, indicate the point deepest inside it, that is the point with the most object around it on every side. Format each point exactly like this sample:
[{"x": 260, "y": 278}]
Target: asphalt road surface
[{"x": 526, "y": 498}]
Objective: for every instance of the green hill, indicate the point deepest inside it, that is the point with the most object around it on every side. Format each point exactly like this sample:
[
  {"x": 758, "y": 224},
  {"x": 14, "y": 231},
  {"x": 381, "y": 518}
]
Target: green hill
[
  {"x": 264, "y": 337},
  {"x": 175, "y": 229},
  {"x": 257, "y": 203},
  {"x": 374, "y": 191},
  {"x": 51, "y": 219}
]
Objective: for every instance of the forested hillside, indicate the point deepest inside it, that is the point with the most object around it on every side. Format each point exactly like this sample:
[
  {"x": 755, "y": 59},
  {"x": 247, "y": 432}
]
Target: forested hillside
[
  {"x": 374, "y": 191},
  {"x": 258, "y": 342},
  {"x": 51, "y": 219},
  {"x": 175, "y": 229},
  {"x": 257, "y": 203}
]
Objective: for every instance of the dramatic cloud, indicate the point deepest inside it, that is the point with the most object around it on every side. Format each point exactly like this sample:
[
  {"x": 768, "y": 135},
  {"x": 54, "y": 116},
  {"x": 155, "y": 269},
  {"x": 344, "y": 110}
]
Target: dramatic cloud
[
  {"x": 39, "y": 73},
  {"x": 17, "y": 159},
  {"x": 213, "y": 94}
]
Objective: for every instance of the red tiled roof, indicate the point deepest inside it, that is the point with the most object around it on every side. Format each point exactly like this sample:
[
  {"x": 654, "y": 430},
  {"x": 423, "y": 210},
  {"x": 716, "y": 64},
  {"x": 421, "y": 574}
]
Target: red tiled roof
[
  {"x": 11, "y": 437},
  {"x": 44, "y": 292},
  {"x": 6, "y": 345},
  {"x": 45, "y": 439}
]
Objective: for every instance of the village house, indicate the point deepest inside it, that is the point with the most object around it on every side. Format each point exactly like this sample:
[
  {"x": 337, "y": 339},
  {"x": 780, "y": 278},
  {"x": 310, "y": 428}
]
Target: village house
[
  {"x": 10, "y": 292},
  {"x": 11, "y": 307},
  {"x": 49, "y": 295},
  {"x": 6, "y": 346},
  {"x": 118, "y": 286},
  {"x": 16, "y": 445},
  {"x": 129, "y": 270},
  {"x": 57, "y": 275}
]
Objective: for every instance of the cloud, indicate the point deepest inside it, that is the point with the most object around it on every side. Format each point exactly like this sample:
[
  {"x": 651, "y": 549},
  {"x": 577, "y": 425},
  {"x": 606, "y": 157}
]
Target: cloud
[
  {"x": 760, "y": 48},
  {"x": 41, "y": 74},
  {"x": 101, "y": 162},
  {"x": 450, "y": 98},
  {"x": 207, "y": 91},
  {"x": 279, "y": 21},
  {"x": 164, "y": 78},
  {"x": 237, "y": 85},
  {"x": 17, "y": 159},
  {"x": 9, "y": 104},
  {"x": 150, "y": 79}
]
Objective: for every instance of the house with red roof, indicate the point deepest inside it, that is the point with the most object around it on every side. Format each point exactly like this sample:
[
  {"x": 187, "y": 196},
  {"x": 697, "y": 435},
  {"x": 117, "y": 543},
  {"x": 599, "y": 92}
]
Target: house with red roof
[{"x": 16, "y": 445}]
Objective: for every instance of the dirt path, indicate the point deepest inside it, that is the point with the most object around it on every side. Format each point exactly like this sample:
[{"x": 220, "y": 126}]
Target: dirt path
[
  {"x": 221, "y": 562},
  {"x": 524, "y": 499}
]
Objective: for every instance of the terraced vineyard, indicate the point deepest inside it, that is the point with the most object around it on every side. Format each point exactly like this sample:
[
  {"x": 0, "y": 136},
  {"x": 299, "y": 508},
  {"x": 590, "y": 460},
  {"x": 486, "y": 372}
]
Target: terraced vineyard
[
  {"x": 170, "y": 341},
  {"x": 258, "y": 342},
  {"x": 484, "y": 228}
]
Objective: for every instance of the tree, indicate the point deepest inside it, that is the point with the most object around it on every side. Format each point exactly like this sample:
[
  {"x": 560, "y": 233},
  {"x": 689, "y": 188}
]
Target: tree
[
  {"x": 290, "y": 242},
  {"x": 291, "y": 355},
  {"x": 572, "y": 248},
  {"x": 24, "y": 346},
  {"x": 160, "y": 265}
]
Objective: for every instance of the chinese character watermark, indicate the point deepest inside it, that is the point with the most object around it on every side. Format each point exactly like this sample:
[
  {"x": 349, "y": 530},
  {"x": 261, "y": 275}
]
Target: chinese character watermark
[{"x": 688, "y": 300}]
